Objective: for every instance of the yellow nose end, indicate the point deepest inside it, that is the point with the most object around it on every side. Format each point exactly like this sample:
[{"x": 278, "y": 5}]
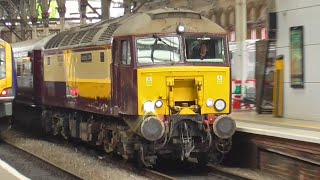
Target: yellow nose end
[{"x": 186, "y": 111}]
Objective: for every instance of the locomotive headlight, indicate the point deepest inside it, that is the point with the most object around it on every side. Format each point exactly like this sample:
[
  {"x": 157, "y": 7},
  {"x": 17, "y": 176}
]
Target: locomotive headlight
[
  {"x": 4, "y": 92},
  {"x": 210, "y": 102},
  {"x": 148, "y": 106},
  {"x": 220, "y": 105},
  {"x": 181, "y": 29},
  {"x": 159, "y": 104}
]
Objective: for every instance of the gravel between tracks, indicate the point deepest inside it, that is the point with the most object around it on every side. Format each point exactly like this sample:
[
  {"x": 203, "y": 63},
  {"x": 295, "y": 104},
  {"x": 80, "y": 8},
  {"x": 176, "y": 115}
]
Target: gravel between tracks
[
  {"x": 87, "y": 165},
  {"x": 70, "y": 159},
  {"x": 30, "y": 166}
]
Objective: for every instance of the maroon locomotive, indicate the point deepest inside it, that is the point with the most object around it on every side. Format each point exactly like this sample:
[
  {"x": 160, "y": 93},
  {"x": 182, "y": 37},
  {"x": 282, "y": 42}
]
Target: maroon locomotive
[{"x": 147, "y": 84}]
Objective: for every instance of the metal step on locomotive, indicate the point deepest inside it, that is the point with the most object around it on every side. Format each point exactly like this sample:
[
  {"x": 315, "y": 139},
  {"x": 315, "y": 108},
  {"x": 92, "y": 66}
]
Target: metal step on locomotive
[{"x": 143, "y": 85}]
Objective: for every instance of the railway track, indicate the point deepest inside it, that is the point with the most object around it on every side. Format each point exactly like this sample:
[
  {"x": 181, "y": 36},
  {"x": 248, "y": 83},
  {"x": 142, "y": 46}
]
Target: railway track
[
  {"x": 175, "y": 172},
  {"x": 213, "y": 175},
  {"x": 30, "y": 165},
  {"x": 188, "y": 171},
  {"x": 191, "y": 170}
]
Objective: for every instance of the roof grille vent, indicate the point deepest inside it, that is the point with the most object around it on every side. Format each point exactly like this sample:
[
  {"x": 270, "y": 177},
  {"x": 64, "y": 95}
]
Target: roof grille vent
[
  {"x": 89, "y": 36},
  {"x": 78, "y": 37},
  {"x": 107, "y": 34},
  {"x": 67, "y": 39},
  {"x": 189, "y": 15}
]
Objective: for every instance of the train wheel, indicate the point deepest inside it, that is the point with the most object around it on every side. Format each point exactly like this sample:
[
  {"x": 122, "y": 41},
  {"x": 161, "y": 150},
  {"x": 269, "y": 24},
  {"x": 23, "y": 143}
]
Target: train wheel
[
  {"x": 142, "y": 162},
  {"x": 138, "y": 159},
  {"x": 203, "y": 158}
]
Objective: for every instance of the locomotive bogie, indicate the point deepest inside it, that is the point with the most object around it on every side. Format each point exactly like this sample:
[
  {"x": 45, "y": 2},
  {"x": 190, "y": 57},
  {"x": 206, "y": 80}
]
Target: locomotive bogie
[{"x": 186, "y": 133}]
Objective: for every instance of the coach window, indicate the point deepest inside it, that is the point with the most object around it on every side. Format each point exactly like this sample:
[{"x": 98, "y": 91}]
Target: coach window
[
  {"x": 18, "y": 68},
  {"x": 86, "y": 58},
  {"x": 2, "y": 62},
  {"x": 126, "y": 55},
  {"x": 48, "y": 61},
  {"x": 101, "y": 56}
]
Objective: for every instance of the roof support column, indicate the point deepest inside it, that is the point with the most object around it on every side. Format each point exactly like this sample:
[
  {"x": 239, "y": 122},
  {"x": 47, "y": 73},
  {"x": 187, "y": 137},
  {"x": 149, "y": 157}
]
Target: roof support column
[
  {"x": 2, "y": 14},
  {"x": 83, "y": 9},
  {"x": 138, "y": 4},
  {"x": 241, "y": 36},
  {"x": 62, "y": 12},
  {"x": 14, "y": 37},
  {"x": 45, "y": 16},
  {"x": 23, "y": 16},
  {"x": 127, "y": 6},
  {"x": 105, "y": 9},
  {"x": 33, "y": 17}
]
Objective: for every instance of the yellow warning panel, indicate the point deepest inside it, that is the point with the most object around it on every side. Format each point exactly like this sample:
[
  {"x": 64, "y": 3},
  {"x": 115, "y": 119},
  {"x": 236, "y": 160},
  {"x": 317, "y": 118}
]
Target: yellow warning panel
[{"x": 278, "y": 87}]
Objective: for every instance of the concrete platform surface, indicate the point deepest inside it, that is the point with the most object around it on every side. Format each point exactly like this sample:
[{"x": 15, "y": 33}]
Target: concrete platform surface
[
  {"x": 266, "y": 124},
  {"x": 9, "y": 173}
]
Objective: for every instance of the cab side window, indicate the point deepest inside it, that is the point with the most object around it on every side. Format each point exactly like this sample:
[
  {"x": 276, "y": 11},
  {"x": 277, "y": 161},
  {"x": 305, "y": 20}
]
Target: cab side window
[{"x": 126, "y": 54}]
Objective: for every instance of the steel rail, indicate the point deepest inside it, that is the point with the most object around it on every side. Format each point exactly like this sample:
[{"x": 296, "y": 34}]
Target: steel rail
[
  {"x": 149, "y": 173},
  {"x": 156, "y": 175},
  {"x": 38, "y": 157}
]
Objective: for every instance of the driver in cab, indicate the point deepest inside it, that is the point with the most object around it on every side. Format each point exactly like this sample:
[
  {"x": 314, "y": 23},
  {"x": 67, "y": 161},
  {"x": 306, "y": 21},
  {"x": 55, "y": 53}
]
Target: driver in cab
[{"x": 202, "y": 53}]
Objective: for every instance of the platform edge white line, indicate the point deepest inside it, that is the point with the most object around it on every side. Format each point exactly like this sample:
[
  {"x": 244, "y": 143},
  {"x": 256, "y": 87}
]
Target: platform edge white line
[{"x": 12, "y": 171}]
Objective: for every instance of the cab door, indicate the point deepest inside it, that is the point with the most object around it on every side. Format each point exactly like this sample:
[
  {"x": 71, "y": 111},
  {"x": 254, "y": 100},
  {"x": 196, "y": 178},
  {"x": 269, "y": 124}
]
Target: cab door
[
  {"x": 123, "y": 75},
  {"x": 3, "y": 69}
]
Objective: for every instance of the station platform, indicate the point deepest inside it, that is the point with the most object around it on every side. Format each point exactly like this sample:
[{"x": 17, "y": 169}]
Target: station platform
[
  {"x": 9, "y": 173},
  {"x": 268, "y": 125}
]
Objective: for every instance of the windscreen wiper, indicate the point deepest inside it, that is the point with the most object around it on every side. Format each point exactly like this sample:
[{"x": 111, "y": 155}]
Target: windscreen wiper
[
  {"x": 159, "y": 39},
  {"x": 152, "y": 50},
  {"x": 155, "y": 43}
]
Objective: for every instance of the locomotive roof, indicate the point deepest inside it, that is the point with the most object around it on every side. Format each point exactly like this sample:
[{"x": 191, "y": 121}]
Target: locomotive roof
[
  {"x": 29, "y": 45},
  {"x": 155, "y": 21}
]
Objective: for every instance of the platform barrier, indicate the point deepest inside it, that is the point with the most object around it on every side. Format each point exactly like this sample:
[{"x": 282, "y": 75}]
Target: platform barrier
[{"x": 246, "y": 102}]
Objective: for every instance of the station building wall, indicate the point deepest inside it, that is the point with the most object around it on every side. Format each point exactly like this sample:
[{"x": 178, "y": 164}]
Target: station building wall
[{"x": 301, "y": 103}]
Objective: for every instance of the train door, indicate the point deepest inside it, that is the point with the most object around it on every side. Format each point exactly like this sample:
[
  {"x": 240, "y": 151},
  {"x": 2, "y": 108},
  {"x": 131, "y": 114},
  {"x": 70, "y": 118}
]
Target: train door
[
  {"x": 36, "y": 59},
  {"x": 29, "y": 73},
  {"x": 123, "y": 74},
  {"x": 114, "y": 73}
]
